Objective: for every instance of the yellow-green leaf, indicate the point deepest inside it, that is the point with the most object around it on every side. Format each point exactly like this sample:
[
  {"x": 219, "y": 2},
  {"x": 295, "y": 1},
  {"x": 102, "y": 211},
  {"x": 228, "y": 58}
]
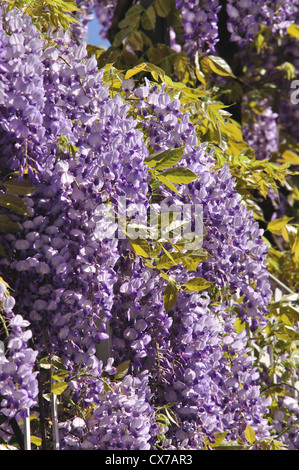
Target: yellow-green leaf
[
  {"x": 141, "y": 247},
  {"x": 170, "y": 295},
  {"x": 239, "y": 325},
  {"x": 249, "y": 434},
  {"x": 166, "y": 262},
  {"x": 162, "y": 7},
  {"x": 7, "y": 225},
  {"x": 196, "y": 284},
  {"x": 180, "y": 175},
  {"x": 14, "y": 203},
  {"x": 295, "y": 249},
  {"x": 60, "y": 374},
  {"x": 276, "y": 225},
  {"x": 148, "y": 18},
  {"x": 220, "y": 66},
  {"x": 290, "y": 157},
  {"x": 122, "y": 370},
  {"x": 22, "y": 189},
  {"x": 219, "y": 438},
  {"x": 286, "y": 320},
  {"x": 167, "y": 183},
  {"x": 276, "y": 445},
  {"x": 58, "y": 388},
  {"x": 293, "y": 31},
  {"x": 165, "y": 159},
  {"x": 146, "y": 67},
  {"x": 36, "y": 440},
  {"x": 194, "y": 257}
]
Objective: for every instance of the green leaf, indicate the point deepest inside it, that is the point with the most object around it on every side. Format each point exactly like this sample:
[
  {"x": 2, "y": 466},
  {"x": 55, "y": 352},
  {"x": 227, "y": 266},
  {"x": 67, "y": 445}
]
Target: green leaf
[
  {"x": 36, "y": 440},
  {"x": 7, "y": 225},
  {"x": 293, "y": 31},
  {"x": 167, "y": 183},
  {"x": 219, "y": 438},
  {"x": 170, "y": 295},
  {"x": 165, "y": 262},
  {"x": 14, "y": 203},
  {"x": 146, "y": 67},
  {"x": 162, "y": 7},
  {"x": 180, "y": 175},
  {"x": 60, "y": 374},
  {"x": 135, "y": 40},
  {"x": 21, "y": 189},
  {"x": 122, "y": 35},
  {"x": 239, "y": 325},
  {"x": 276, "y": 226},
  {"x": 58, "y": 388},
  {"x": 165, "y": 159},
  {"x": 148, "y": 18},
  {"x": 249, "y": 434},
  {"x": 141, "y": 247},
  {"x": 132, "y": 16},
  {"x": 220, "y": 66},
  {"x": 190, "y": 259},
  {"x": 171, "y": 416},
  {"x": 122, "y": 370},
  {"x": 196, "y": 284},
  {"x": 45, "y": 363}
]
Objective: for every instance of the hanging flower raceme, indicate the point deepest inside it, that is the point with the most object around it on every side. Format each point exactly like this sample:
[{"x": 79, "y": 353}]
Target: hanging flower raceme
[
  {"x": 245, "y": 17},
  {"x": 90, "y": 153},
  {"x": 193, "y": 351},
  {"x": 18, "y": 381},
  {"x": 200, "y": 23},
  {"x": 260, "y": 130}
]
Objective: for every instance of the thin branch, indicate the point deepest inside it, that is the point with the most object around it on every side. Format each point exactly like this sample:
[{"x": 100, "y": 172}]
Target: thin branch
[{"x": 42, "y": 414}]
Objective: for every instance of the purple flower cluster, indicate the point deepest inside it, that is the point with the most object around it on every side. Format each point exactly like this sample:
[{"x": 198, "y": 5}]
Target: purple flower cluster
[
  {"x": 193, "y": 351},
  {"x": 21, "y": 96},
  {"x": 139, "y": 322},
  {"x": 80, "y": 286},
  {"x": 104, "y": 11},
  {"x": 233, "y": 238},
  {"x": 200, "y": 23},
  {"x": 216, "y": 389},
  {"x": 245, "y": 17},
  {"x": 261, "y": 132},
  {"x": 18, "y": 381},
  {"x": 280, "y": 423},
  {"x": 122, "y": 420},
  {"x": 62, "y": 250},
  {"x": 79, "y": 29}
]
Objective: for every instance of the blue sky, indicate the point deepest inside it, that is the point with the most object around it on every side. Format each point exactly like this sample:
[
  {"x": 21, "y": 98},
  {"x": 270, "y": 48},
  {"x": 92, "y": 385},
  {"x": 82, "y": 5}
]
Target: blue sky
[{"x": 93, "y": 34}]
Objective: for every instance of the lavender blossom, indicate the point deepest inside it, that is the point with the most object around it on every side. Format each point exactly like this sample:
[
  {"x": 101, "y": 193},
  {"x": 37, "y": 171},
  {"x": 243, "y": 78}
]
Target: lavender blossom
[{"x": 18, "y": 381}]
